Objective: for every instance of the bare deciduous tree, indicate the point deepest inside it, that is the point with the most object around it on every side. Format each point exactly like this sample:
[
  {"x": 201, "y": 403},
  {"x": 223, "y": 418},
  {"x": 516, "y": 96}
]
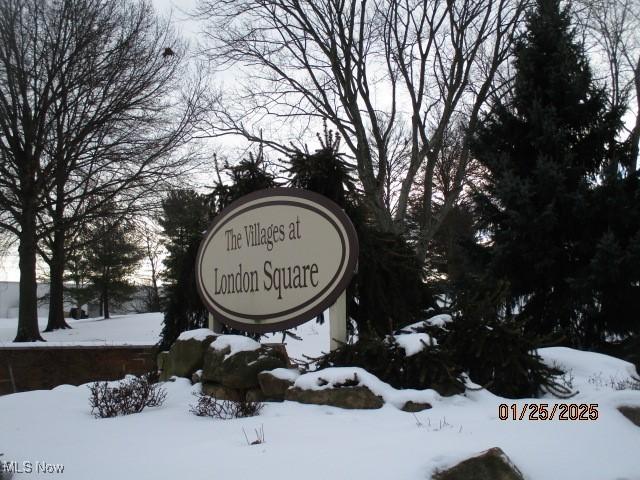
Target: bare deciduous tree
[
  {"x": 372, "y": 69},
  {"x": 87, "y": 97},
  {"x": 153, "y": 249},
  {"x": 611, "y": 34}
]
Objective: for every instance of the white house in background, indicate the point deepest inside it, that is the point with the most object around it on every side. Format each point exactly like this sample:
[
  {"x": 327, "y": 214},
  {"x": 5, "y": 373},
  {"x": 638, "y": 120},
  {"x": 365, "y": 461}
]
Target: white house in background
[{"x": 10, "y": 299}]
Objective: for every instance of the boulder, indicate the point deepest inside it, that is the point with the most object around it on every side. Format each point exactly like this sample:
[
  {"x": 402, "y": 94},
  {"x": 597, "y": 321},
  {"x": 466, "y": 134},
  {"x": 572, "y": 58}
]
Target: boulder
[
  {"x": 241, "y": 369},
  {"x": 490, "y": 465},
  {"x": 343, "y": 397},
  {"x": 274, "y": 386},
  {"x": 632, "y": 413},
  {"x": 414, "y": 407},
  {"x": 222, "y": 393},
  {"x": 185, "y": 357}
]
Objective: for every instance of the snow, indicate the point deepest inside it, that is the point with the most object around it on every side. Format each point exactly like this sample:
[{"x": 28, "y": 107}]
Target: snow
[
  {"x": 318, "y": 442},
  {"x": 315, "y": 339},
  {"x": 56, "y": 426},
  {"x": 140, "y": 329},
  {"x": 330, "y": 377},
  {"x": 144, "y": 329},
  {"x": 290, "y": 374},
  {"x": 590, "y": 372},
  {"x": 440, "y": 320},
  {"x": 413, "y": 342},
  {"x": 199, "y": 334},
  {"x": 235, "y": 343}
]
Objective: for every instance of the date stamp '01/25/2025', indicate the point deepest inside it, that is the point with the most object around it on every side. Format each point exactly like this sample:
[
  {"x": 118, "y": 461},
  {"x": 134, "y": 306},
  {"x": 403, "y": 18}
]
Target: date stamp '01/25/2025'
[{"x": 544, "y": 411}]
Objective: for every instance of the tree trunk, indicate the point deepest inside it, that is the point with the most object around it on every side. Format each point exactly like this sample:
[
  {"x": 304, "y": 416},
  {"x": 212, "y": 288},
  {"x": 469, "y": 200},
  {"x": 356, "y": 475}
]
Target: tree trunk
[
  {"x": 105, "y": 300},
  {"x": 155, "y": 304},
  {"x": 28, "y": 330},
  {"x": 56, "y": 292}
]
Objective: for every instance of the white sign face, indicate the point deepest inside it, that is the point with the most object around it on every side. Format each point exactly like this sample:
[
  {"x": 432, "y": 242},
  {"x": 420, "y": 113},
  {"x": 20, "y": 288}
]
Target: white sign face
[{"x": 275, "y": 259}]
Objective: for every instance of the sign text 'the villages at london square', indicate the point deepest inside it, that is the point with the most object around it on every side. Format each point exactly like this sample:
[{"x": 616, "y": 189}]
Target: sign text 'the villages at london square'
[{"x": 275, "y": 258}]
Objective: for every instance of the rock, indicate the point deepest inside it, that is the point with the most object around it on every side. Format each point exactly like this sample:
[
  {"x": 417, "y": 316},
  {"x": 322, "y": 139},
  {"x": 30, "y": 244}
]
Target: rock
[
  {"x": 632, "y": 413},
  {"x": 222, "y": 393},
  {"x": 196, "y": 377},
  {"x": 274, "y": 387},
  {"x": 413, "y": 407},
  {"x": 344, "y": 397},
  {"x": 490, "y": 465},
  {"x": 226, "y": 393},
  {"x": 278, "y": 350},
  {"x": 162, "y": 360},
  {"x": 185, "y": 357},
  {"x": 241, "y": 369}
]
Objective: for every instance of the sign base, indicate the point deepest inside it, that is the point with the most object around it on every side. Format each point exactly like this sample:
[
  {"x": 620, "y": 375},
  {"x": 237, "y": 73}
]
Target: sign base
[
  {"x": 214, "y": 325},
  {"x": 338, "y": 322}
]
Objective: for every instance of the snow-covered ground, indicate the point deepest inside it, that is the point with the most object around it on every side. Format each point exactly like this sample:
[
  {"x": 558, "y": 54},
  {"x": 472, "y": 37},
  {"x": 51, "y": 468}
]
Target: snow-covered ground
[
  {"x": 143, "y": 329},
  {"x": 310, "y": 442}
]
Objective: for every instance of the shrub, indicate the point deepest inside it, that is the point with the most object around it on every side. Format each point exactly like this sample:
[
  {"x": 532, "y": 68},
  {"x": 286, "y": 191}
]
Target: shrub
[
  {"x": 432, "y": 367},
  {"x": 130, "y": 395},
  {"x": 492, "y": 347},
  {"x": 388, "y": 290},
  {"x": 208, "y": 406}
]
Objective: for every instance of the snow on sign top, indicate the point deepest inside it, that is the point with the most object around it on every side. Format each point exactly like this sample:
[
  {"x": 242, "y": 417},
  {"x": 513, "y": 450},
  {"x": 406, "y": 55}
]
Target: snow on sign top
[{"x": 275, "y": 258}]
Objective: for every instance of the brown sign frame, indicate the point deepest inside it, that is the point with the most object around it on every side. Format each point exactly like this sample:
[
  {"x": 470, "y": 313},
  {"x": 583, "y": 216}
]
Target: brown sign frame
[{"x": 235, "y": 209}]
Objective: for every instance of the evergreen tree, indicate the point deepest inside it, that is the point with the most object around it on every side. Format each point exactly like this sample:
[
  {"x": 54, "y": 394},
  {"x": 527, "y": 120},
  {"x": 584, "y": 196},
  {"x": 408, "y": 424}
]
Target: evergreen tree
[
  {"x": 186, "y": 216},
  {"x": 77, "y": 273},
  {"x": 324, "y": 171},
  {"x": 113, "y": 255},
  {"x": 549, "y": 148},
  {"x": 387, "y": 291}
]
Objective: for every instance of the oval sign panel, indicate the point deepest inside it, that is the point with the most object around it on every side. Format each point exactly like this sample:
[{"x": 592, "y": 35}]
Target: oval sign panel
[{"x": 275, "y": 258}]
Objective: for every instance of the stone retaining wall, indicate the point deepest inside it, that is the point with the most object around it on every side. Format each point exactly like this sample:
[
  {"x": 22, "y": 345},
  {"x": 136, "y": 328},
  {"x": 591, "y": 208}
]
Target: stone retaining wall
[{"x": 36, "y": 368}]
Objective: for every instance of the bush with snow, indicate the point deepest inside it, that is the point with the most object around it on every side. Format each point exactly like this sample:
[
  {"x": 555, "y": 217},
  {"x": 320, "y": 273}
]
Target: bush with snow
[
  {"x": 128, "y": 396},
  {"x": 208, "y": 406},
  {"x": 402, "y": 362}
]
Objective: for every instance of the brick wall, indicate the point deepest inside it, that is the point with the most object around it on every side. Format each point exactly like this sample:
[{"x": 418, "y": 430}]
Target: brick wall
[{"x": 35, "y": 368}]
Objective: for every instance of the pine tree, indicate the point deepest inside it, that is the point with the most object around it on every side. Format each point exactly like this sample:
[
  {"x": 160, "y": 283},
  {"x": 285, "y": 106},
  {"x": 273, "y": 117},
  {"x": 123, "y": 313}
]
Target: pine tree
[
  {"x": 547, "y": 148},
  {"x": 186, "y": 217},
  {"x": 113, "y": 257}
]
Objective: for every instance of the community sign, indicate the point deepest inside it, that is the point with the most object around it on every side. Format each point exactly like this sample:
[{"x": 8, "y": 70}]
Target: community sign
[{"x": 275, "y": 258}]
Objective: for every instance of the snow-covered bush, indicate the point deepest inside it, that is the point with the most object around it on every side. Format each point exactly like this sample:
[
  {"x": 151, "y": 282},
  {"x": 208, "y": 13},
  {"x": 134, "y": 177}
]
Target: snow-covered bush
[
  {"x": 208, "y": 406},
  {"x": 429, "y": 367},
  {"x": 130, "y": 395}
]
